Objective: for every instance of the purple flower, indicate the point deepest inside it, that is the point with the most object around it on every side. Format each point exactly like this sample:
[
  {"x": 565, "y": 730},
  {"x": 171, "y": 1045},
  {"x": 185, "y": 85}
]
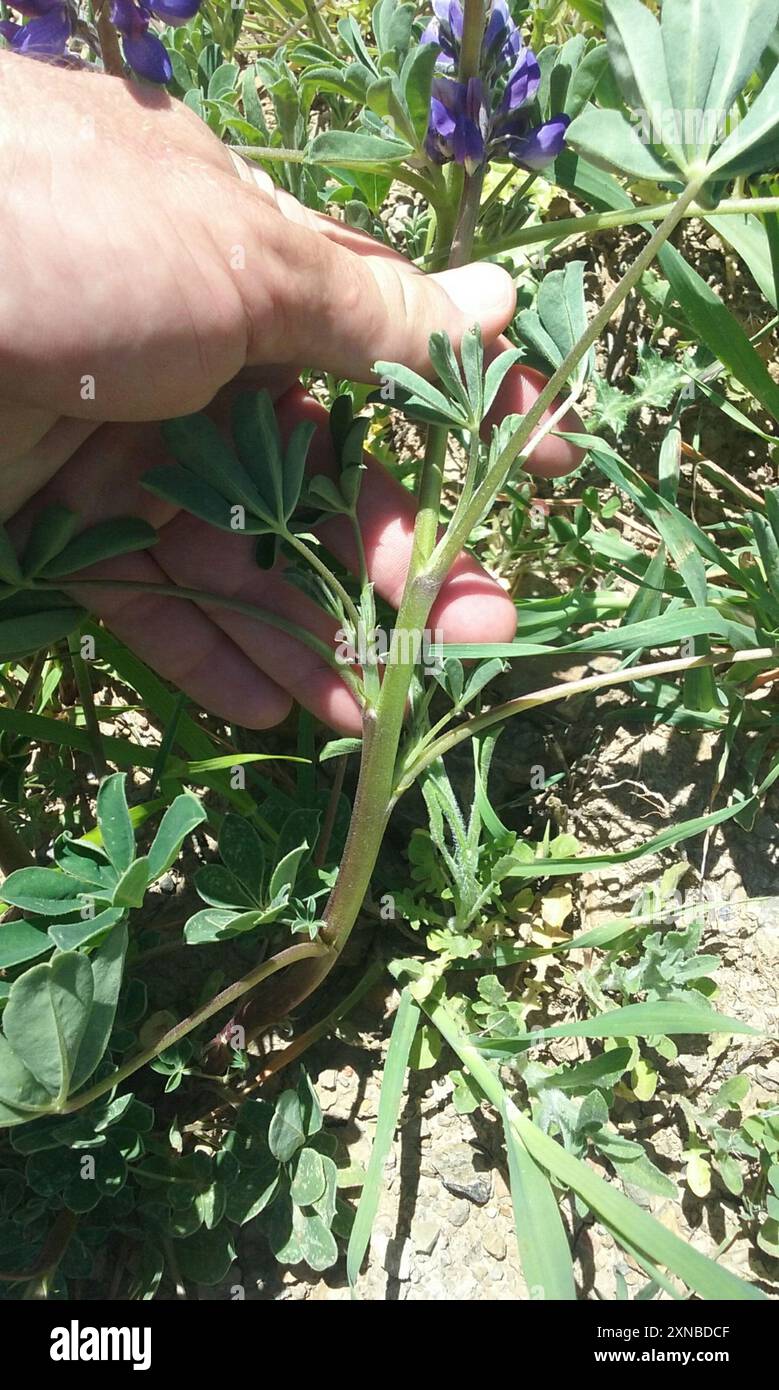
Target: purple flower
[
  {"x": 143, "y": 51},
  {"x": 487, "y": 117},
  {"x": 458, "y": 122},
  {"x": 445, "y": 31},
  {"x": 523, "y": 81},
  {"x": 51, "y": 24},
  {"x": 539, "y": 145}
]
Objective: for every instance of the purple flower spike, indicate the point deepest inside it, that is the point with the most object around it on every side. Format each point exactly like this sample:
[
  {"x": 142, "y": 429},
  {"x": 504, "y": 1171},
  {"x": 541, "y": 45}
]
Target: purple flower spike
[
  {"x": 45, "y": 37},
  {"x": 539, "y": 147},
  {"x": 488, "y": 117}
]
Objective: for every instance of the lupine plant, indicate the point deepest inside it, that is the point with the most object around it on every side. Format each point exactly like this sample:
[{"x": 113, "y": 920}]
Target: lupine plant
[{"x": 650, "y": 123}]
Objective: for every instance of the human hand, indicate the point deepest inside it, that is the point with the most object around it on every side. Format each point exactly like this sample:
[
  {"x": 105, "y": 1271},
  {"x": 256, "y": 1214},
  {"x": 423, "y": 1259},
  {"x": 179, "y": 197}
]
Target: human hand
[{"x": 144, "y": 273}]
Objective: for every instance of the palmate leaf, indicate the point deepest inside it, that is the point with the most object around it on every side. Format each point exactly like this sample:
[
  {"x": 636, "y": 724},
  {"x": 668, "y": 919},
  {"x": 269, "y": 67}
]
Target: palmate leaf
[{"x": 690, "y": 66}]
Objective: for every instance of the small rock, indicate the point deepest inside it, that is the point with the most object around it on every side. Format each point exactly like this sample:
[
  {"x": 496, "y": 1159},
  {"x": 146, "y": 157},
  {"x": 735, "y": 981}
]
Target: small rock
[
  {"x": 458, "y": 1213},
  {"x": 494, "y": 1243},
  {"x": 401, "y": 1262},
  {"x": 425, "y": 1236},
  {"x": 327, "y": 1080},
  {"x": 379, "y": 1244},
  {"x": 459, "y": 1176}
]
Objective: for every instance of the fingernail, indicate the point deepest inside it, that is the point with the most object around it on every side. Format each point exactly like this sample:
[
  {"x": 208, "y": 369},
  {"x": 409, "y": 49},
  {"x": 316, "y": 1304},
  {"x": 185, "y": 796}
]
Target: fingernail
[{"x": 484, "y": 294}]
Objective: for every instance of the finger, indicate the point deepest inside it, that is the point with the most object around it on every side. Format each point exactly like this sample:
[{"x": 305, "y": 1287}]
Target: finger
[
  {"x": 184, "y": 646},
  {"x": 318, "y": 303},
  {"x": 233, "y": 572},
  {"x": 553, "y": 457},
  {"x": 471, "y": 605}
]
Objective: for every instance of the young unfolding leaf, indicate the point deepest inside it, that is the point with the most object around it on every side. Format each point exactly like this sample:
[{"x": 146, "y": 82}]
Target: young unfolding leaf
[{"x": 559, "y": 318}]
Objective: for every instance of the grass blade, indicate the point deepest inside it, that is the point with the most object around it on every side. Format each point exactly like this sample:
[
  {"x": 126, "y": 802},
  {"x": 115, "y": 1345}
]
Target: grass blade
[
  {"x": 658, "y": 1018},
  {"x": 541, "y": 1238},
  {"x": 404, "y": 1028}
]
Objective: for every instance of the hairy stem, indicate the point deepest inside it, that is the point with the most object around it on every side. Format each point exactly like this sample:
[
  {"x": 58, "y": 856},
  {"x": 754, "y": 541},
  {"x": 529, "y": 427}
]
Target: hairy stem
[{"x": 382, "y": 726}]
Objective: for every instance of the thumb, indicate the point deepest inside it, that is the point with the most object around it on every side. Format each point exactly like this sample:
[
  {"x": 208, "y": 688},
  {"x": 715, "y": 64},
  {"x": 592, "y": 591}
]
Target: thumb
[{"x": 340, "y": 308}]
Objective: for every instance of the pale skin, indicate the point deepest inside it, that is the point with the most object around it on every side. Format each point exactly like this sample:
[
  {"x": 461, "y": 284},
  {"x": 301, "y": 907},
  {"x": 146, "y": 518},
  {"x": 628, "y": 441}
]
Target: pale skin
[{"x": 120, "y": 222}]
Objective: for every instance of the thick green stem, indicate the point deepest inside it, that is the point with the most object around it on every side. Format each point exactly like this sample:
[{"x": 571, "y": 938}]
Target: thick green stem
[
  {"x": 468, "y": 217},
  {"x": 473, "y": 32},
  {"x": 383, "y": 725}
]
